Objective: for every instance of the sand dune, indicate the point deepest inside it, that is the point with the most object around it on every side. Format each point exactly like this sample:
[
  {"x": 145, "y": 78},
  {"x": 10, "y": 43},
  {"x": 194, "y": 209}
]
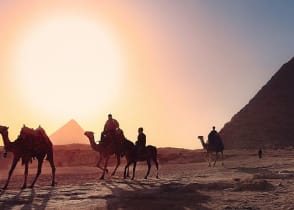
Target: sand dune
[{"x": 245, "y": 182}]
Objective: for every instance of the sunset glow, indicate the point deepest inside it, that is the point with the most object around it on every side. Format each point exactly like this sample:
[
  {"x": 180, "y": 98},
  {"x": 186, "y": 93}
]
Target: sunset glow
[
  {"x": 68, "y": 66},
  {"x": 176, "y": 68}
]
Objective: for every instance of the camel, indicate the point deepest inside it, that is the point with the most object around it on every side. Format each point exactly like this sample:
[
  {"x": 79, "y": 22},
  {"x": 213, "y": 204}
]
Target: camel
[
  {"x": 106, "y": 151},
  {"x": 29, "y": 144},
  {"x": 119, "y": 147},
  {"x": 150, "y": 153},
  {"x": 211, "y": 147}
]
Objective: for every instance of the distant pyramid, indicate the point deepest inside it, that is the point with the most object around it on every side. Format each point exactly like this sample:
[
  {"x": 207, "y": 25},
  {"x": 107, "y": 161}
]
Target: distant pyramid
[
  {"x": 70, "y": 133},
  {"x": 268, "y": 119}
]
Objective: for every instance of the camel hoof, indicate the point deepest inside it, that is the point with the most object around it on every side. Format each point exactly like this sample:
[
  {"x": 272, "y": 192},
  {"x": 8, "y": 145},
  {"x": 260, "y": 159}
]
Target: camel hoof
[
  {"x": 101, "y": 178},
  {"x": 24, "y": 187},
  {"x": 145, "y": 177},
  {"x": 157, "y": 177}
]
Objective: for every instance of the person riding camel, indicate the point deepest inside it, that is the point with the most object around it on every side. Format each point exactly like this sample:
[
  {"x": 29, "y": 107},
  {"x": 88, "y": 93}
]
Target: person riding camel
[
  {"x": 141, "y": 142},
  {"x": 212, "y": 135},
  {"x": 111, "y": 126}
]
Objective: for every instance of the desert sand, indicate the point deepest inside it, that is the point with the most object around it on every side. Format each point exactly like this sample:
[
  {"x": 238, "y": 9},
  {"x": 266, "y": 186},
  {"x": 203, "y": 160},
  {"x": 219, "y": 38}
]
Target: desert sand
[{"x": 244, "y": 182}]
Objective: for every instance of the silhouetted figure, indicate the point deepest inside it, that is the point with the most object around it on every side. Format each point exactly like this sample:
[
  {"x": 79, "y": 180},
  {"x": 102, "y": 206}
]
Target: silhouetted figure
[
  {"x": 110, "y": 127},
  {"x": 114, "y": 146},
  {"x": 148, "y": 154},
  {"x": 214, "y": 144},
  {"x": 260, "y": 153},
  {"x": 141, "y": 142},
  {"x": 213, "y": 135},
  {"x": 31, "y": 143}
]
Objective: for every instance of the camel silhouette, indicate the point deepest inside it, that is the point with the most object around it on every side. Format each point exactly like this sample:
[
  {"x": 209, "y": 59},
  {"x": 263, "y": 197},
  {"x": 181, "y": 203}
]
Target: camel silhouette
[
  {"x": 29, "y": 144},
  {"x": 148, "y": 154},
  {"x": 112, "y": 145},
  {"x": 211, "y": 147}
]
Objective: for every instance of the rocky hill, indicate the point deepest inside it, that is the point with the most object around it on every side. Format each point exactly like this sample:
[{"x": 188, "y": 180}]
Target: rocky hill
[{"x": 268, "y": 119}]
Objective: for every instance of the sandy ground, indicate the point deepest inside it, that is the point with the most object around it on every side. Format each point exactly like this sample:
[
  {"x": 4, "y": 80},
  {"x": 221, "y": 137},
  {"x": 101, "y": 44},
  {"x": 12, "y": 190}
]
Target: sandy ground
[{"x": 245, "y": 182}]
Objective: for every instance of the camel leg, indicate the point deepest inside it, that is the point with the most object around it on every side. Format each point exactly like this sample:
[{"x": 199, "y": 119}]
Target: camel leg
[
  {"x": 25, "y": 176},
  {"x": 148, "y": 171},
  {"x": 105, "y": 167},
  {"x": 156, "y": 165},
  {"x": 51, "y": 162},
  {"x": 126, "y": 171},
  {"x": 216, "y": 154},
  {"x": 40, "y": 163},
  {"x": 134, "y": 169},
  {"x": 53, "y": 169},
  {"x": 209, "y": 159},
  {"x": 14, "y": 162},
  {"x": 117, "y": 164},
  {"x": 222, "y": 158},
  {"x": 98, "y": 164}
]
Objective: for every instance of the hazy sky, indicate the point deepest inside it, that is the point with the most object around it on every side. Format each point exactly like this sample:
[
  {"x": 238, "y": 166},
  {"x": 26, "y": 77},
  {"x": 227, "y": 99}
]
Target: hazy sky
[{"x": 174, "y": 67}]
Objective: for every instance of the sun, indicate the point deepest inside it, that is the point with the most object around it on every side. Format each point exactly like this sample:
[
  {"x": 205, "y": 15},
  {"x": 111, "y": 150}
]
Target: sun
[{"x": 68, "y": 66}]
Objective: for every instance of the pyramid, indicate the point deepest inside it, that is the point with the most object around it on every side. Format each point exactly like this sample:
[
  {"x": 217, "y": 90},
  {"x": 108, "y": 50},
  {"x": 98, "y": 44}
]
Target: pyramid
[
  {"x": 267, "y": 121},
  {"x": 70, "y": 133}
]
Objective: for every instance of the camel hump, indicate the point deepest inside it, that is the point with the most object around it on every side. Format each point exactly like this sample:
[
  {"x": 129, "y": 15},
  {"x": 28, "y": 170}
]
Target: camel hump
[
  {"x": 26, "y": 131},
  {"x": 42, "y": 133},
  {"x": 38, "y": 134}
]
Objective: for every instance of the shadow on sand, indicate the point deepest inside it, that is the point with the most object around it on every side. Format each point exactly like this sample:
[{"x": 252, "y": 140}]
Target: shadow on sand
[
  {"x": 26, "y": 199},
  {"x": 151, "y": 196}
]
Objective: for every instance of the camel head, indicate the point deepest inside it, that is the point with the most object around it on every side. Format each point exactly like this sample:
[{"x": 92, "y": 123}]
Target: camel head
[
  {"x": 3, "y": 129},
  {"x": 89, "y": 134}
]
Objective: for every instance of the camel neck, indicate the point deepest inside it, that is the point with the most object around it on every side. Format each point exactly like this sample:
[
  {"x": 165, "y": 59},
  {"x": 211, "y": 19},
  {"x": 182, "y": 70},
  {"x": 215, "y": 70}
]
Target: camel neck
[
  {"x": 203, "y": 143},
  {"x": 6, "y": 140},
  {"x": 93, "y": 144}
]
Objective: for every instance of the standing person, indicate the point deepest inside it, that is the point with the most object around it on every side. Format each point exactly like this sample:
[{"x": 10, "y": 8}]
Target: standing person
[
  {"x": 141, "y": 141},
  {"x": 260, "y": 153}
]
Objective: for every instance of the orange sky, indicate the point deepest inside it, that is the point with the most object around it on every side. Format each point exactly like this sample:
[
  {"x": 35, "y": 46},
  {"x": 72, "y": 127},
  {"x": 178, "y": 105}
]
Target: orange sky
[{"x": 178, "y": 69}]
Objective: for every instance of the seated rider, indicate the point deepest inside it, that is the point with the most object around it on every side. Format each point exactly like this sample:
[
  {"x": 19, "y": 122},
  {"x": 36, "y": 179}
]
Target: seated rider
[
  {"x": 213, "y": 135},
  {"x": 215, "y": 138},
  {"x": 110, "y": 127},
  {"x": 141, "y": 141}
]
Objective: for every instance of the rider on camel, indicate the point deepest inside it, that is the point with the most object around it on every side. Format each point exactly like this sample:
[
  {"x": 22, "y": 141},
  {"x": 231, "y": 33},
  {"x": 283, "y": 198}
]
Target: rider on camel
[
  {"x": 141, "y": 142},
  {"x": 111, "y": 127}
]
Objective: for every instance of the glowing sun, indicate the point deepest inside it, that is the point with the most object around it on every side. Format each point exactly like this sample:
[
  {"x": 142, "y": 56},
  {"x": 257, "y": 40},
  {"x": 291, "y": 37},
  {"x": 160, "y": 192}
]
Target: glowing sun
[{"x": 68, "y": 65}]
